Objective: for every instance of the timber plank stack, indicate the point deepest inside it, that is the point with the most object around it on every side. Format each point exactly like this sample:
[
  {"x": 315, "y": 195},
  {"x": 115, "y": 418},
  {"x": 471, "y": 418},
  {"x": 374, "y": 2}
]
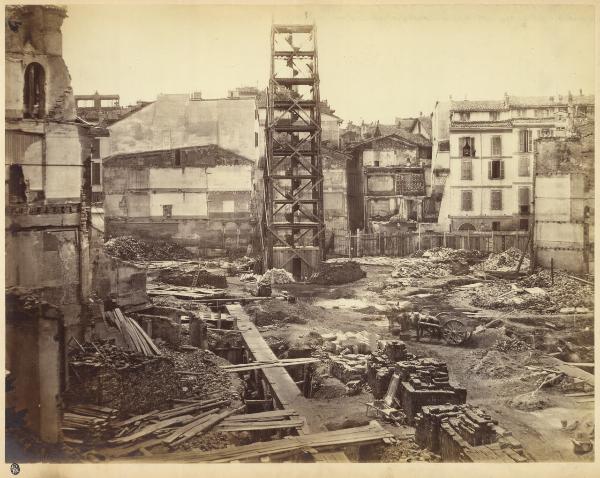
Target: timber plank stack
[
  {"x": 86, "y": 423},
  {"x": 132, "y": 333},
  {"x": 284, "y": 449}
]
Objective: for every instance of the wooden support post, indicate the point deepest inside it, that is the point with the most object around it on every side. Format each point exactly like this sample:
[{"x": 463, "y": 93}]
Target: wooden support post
[{"x": 552, "y": 270}]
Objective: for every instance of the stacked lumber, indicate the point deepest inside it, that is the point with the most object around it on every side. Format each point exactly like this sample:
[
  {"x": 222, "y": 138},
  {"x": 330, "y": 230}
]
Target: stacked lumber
[
  {"x": 132, "y": 333},
  {"x": 246, "y": 367},
  {"x": 86, "y": 423},
  {"x": 273, "y": 420},
  {"x": 284, "y": 448},
  {"x": 167, "y": 427}
]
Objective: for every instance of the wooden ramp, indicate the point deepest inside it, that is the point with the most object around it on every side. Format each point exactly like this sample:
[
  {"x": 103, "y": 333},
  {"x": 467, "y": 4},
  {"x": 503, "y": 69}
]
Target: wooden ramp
[
  {"x": 284, "y": 389},
  {"x": 285, "y": 448}
]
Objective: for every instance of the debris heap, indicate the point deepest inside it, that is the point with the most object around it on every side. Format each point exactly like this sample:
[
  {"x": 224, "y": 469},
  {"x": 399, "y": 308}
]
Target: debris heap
[
  {"x": 505, "y": 261},
  {"x": 192, "y": 277},
  {"x": 465, "y": 433},
  {"x": 349, "y": 367},
  {"x": 131, "y": 249},
  {"x": 338, "y": 273},
  {"x": 276, "y": 276},
  {"x": 106, "y": 375}
]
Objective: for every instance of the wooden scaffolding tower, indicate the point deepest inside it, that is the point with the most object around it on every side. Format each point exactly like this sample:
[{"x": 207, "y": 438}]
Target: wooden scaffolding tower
[{"x": 293, "y": 175}]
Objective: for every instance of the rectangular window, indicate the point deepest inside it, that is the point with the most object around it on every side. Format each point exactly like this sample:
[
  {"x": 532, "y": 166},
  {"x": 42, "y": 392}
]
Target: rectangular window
[
  {"x": 466, "y": 169},
  {"x": 494, "y": 115},
  {"x": 167, "y": 210},
  {"x": 522, "y": 112},
  {"x": 546, "y": 133},
  {"x": 523, "y": 166},
  {"x": 496, "y": 169},
  {"x": 523, "y": 224},
  {"x": 496, "y": 146},
  {"x": 256, "y": 139},
  {"x": 496, "y": 200},
  {"x": 525, "y": 141},
  {"x": 465, "y": 116},
  {"x": 495, "y": 225},
  {"x": 524, "y": 200},
  {"x": 95, "y": 148},
  {"x": 444, "y": 146},
  {"x": 96, "y": 180},
  {"x": 466, "y": 146},
  {"x": 467, "y": 200}
]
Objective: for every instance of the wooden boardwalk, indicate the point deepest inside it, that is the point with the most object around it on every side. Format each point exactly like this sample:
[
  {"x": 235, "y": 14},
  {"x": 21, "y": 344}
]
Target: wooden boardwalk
[{"x": 284, "y": 389}]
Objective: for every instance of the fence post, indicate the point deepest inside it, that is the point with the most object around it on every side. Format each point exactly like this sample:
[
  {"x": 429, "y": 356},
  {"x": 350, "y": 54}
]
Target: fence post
[
  {"x": 358, "y": 243},
  {"x": 349, "y": 244},
  {"x": 419, "y": 232},
  {"x": 444, "y": 238}
]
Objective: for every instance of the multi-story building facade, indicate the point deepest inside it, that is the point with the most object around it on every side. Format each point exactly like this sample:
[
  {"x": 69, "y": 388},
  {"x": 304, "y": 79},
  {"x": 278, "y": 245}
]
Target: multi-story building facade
[{"x": 488, "y": 159}]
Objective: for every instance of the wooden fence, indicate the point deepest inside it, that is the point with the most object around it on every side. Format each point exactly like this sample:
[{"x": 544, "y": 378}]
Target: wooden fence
[{"x": 405, "y": 243}]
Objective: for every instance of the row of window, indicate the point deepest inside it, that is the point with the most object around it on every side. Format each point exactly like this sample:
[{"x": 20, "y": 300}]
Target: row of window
[
  {"x": 466, "y": 144},
  {"x": 495, "y": 168},
  {"x": 495, "y": 200},
  {"x": 519, "y": 113}
]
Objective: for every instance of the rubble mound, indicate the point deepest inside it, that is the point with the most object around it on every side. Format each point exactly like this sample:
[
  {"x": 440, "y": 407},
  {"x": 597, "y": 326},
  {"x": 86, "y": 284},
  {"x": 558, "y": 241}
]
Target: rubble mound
[
  {"x": 505, "y": 261},
  {"x": 131, "y": 249},
  {"x": 276, "y": 276},
  {"x": 211, "y": 379},
  {"x": 444, "y": 254},
  {"x": 566, "y": 291},
  {"x": 495, "y": 365},
  {"x": 106, "y": 375},
  {"x": 420, "y": 268},
  {"x": 338, "y": 273},
  {"x": 511, "y": 344},
  {"x": 529, "y": 402},
  {"x": 405, "y": 452},
  {"x": 192, "y": 277}
]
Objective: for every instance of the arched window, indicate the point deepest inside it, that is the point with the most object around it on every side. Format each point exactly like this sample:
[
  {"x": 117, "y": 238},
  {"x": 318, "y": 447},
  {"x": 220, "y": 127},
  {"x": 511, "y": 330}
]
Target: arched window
[
  {"x": 34, "y": 97},
  {"x": 467, "y": 226}
]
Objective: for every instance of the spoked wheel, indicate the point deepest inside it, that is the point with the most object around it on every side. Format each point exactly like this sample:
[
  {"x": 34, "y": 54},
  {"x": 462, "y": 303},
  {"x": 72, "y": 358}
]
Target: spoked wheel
[{"x": 454, "y": 332}]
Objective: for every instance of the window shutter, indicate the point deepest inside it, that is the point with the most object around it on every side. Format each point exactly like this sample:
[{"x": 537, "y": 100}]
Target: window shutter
[
  {"x": 467, "y": 201},
  {"x": 501, "y": 169},
  {"x": 523, "y": 196},
  {"x": 499, "y": 144},
  {"x": 472, "y": 147},
  {"x": 530, "y": 141},
  {"x": 522, "y": 141},
  {"x": 489, "y": 169}
]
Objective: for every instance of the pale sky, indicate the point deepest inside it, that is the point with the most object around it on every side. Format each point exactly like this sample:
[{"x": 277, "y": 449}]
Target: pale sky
[{"x": 375, "y": 62}]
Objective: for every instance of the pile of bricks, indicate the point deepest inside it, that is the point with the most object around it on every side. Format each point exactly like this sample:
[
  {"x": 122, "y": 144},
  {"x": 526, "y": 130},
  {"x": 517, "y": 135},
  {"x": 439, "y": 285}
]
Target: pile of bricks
[
  {"x": 348, "y": 367},
  {"x": 464, "y": 433},
  {"x": 425, "y": 382},
  {"x": 381, "y": 365}
]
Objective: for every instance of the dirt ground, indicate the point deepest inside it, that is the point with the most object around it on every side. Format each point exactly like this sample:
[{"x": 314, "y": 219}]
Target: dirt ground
[{"x": 499, "y": 382}]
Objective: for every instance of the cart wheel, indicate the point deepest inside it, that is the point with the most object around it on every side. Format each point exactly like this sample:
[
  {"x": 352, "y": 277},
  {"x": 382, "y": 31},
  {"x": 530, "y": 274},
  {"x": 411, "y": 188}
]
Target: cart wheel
[{"x": 454, "y": 332}]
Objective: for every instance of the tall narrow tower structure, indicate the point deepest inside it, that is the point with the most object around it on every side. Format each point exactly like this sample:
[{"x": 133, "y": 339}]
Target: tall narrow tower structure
[{"x": 295, "y": 229}]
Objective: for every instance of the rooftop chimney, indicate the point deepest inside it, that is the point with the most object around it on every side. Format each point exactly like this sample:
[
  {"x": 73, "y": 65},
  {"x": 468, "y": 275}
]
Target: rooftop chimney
[{"x": 580, "y": 92}]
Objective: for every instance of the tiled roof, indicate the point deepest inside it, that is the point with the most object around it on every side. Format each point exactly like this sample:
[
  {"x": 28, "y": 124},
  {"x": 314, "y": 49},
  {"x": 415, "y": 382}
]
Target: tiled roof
[
  {"x": 480, "y": 124},
  {"x": 468, "y": 105},
  {"x": 537, "y": 101},
  {"x": 584, "y": 100},
  {"x": 426, "y": 123},
  {"x": 405, "y": 123},
  {"x": 415, "y": 139}
]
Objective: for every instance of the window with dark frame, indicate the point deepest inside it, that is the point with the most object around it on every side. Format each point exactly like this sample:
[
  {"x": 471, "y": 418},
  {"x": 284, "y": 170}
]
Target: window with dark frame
[
  {"x": 495, "y": 225},
  {"x": 496, "y": 169},
  {"x": 95, "y": 148},
  {"x": 167, "y": 210},
  {"x": 523, "y": 166},
  {"x": 524, "y": 200},
  {"x": 496, "y": 200},
  {"x": 467, "y": 147},
  {"x": 96, "y": 174},
  {"x": 467, "y": 200},
  {"x": 496, "y": 146},
  {"x": 34, "y": 91},
  {"x": 256, "y": 140},
  {"x": 494, "y": 115},
  {"x": 466, "y": 169},
  {"x": 523, "y": 224},
  {"x": 465, "y": 116},
  {"x": 525, "y": 141}
]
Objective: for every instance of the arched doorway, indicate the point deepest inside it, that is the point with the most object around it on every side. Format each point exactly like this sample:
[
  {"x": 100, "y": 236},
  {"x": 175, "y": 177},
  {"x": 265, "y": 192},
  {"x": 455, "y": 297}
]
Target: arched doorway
[{"x": 467, "y": 226}]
